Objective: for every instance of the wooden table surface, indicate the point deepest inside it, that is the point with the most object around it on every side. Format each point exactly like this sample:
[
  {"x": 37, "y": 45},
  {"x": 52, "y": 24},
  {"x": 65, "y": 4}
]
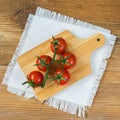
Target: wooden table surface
[{"x": 13, "y": 15}]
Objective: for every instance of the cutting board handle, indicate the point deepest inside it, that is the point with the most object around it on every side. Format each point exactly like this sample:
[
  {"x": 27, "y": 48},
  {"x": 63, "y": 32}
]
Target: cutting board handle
[
  {"x": 89, "y": 45},
  {"x": 95, "y": 41}
]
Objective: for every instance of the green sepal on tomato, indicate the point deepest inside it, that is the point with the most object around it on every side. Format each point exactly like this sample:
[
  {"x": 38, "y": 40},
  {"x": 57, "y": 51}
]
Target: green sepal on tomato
[
  {"x": 59, "y": 44},
  {"x": 42, "y": 62},
  {"x": 61, "y": 76},
  {"x": 67, "y": 60}
]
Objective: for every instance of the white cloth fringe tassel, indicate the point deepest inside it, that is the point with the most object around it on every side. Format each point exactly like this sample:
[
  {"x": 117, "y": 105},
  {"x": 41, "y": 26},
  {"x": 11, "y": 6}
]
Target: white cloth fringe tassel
[
  {"x": 60, "y": 17},
  {"x": 67, "y": 106},
  {"x": 56, "y": 103}
]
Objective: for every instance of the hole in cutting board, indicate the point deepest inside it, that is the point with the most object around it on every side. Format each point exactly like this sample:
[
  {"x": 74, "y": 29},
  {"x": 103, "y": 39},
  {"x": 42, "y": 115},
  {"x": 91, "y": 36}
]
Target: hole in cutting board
[{"x": 98, "y": 39}]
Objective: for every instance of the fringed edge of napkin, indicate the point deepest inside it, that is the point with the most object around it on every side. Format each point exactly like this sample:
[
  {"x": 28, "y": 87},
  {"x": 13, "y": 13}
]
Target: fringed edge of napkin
[
  {"x": 20, "y": 92},
  {"x": 45, "y": 13},
  {"x": 67, "y": 106},
  {"x": 63, "y": 105},
  {"x": 12, "y": 63}
]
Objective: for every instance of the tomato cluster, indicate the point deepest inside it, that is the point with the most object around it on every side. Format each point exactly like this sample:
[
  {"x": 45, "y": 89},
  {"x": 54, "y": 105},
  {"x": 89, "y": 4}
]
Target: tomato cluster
[{"x": 55, "y": 69}]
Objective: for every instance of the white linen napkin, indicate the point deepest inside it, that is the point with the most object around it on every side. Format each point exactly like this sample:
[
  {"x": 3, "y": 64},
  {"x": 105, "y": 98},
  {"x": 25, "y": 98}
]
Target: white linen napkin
[{"x": 41, "y": 27}]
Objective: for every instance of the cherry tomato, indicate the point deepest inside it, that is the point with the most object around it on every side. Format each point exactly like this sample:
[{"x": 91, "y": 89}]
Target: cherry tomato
[
  {"x": 35, "y": 78},
  {"x": 59, "y": 44},
  {"x": 43, "y": 61},
  {"x": 68, "y": 60},
  {"x": 62, "y": 76}
]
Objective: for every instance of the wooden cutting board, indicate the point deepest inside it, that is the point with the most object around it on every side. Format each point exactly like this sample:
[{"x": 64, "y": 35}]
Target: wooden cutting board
[{"x": 82, "y": 50}]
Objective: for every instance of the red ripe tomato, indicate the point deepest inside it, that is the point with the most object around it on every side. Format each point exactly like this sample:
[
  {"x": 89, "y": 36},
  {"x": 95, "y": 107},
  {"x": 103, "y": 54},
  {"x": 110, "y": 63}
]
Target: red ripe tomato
[
  {"x": 35, "y": 78},
  {"x": 59, "y": 44},
  {"x": 62, "y": 76},
  {"x": 43, "y": 61},
  {"x": 68, "y": 60}
]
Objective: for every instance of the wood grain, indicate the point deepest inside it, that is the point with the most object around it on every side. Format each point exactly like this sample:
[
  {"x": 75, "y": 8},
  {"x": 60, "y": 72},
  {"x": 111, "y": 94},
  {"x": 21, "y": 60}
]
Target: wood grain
[{"x": 13, "y": 15}]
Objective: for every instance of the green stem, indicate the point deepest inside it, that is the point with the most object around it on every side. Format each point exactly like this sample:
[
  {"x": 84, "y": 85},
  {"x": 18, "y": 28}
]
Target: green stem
[
  {"x": 45, "y": 78},
  {"x": 51, "y": 79},
  {"x": 58, "y": 61},
  {"x": 46, "y": 75}
]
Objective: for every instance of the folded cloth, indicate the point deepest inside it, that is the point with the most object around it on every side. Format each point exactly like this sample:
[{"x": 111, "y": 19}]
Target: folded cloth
[{"x": 41, "y": 27}]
